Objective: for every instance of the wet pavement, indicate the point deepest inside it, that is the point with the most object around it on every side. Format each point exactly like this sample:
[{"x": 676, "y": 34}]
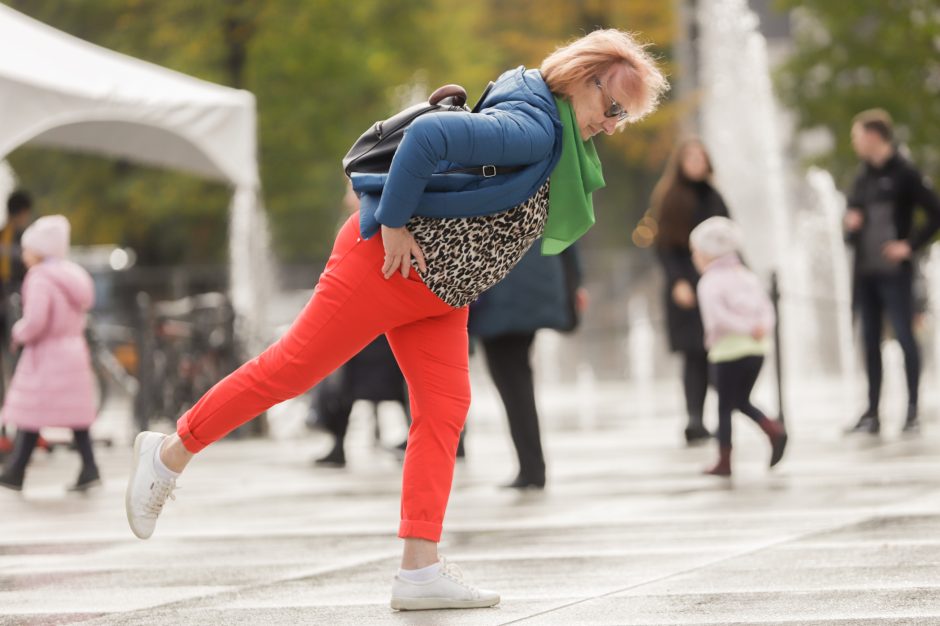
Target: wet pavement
[{"x": 844, "y": 531}]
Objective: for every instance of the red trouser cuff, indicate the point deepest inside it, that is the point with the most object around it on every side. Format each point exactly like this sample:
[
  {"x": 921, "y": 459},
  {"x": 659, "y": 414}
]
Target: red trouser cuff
[
  {"x": 189, "y": 441},
  {"x": 420, "y": 530}
]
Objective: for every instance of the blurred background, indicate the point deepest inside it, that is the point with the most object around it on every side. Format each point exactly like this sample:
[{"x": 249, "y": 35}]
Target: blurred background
[{"x": 771, "y": 87}]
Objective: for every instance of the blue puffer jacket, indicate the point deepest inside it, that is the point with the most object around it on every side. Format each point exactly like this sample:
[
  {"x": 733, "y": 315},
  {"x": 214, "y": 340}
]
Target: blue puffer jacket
[
  {"x": 537, "y": 293},
  {"x": 518, "y": 125}
]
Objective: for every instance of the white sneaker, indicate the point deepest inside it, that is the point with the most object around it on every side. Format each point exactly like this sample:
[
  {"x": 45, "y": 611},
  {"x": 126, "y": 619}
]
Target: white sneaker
[
  {"x": 448, "y": 591},
  {"x": 146, "y": 491}
]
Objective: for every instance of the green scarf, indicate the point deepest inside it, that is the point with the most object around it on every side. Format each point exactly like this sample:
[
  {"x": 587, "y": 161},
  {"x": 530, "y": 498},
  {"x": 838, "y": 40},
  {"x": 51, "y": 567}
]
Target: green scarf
[{"x": 577, "y": 175}]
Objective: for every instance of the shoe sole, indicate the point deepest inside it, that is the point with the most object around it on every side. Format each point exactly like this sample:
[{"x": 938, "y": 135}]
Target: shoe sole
[
  {"x": 85, "y": 487},
  {"x": 329, "y": 464},
  {"x": 127, "y": 492},
  {"x": 427, "y": 604}
]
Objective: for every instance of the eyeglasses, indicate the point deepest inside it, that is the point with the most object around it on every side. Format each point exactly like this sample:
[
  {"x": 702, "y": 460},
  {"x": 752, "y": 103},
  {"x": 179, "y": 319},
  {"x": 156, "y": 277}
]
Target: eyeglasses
[{"x": 615, "y": 109}]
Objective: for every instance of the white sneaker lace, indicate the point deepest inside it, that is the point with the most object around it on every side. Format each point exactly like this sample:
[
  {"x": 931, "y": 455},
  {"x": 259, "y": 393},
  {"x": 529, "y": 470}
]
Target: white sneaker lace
[
  {"x": 452, "y": 571},
  {"x": 160, "y": 490}
]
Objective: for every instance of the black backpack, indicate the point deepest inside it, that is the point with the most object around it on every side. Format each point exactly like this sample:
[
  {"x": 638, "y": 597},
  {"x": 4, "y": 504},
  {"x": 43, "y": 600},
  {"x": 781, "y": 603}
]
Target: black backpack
[{"x": 373, "y": 151}]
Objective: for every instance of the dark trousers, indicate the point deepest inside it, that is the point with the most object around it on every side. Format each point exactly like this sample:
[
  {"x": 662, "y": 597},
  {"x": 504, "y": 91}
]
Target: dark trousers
[
  {"x": 333, "y": 404},
  {"x": 892, "y": 294},
  {"x": 26, "y": 441},
  {"x": 508, "y": 359},
  {"x": 734, "y": 381},
  {"x": 695, "y": 384}
]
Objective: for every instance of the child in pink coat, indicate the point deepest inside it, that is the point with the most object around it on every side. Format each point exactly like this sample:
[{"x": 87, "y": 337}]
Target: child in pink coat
[
  {"x": 737, "y": 316},
  {"x": 53, "y": 384}
]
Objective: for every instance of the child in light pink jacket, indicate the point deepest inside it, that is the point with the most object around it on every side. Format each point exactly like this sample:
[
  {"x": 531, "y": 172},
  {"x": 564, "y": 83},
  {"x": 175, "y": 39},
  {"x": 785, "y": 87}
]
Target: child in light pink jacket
[
  {"x": 737, "y": 316},
  {"x": 53, "y": 384}
]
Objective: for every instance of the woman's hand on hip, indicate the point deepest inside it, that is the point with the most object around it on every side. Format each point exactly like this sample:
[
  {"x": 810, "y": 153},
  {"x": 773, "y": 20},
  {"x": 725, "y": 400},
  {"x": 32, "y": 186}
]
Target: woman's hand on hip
[{"x": 400, "y": 247}]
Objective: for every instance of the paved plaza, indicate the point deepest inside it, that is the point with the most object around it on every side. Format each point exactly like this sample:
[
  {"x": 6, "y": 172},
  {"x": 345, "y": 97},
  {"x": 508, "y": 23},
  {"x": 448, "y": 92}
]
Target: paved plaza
[{"x": 845, "y": 531}]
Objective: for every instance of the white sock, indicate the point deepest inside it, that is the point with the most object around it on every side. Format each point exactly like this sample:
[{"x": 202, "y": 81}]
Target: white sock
[
  {"x": 160, "y": 468},
  {"x": 422, "y": 575}
]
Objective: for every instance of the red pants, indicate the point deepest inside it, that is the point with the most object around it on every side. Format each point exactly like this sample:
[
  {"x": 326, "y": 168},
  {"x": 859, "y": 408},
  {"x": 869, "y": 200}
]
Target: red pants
[{"x": 351, "y": 305}]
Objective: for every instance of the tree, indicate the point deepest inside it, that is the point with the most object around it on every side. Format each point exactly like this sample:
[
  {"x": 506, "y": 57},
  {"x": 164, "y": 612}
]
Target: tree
[
  {"x": 852, "y": 56},
  {"x": 322, "y": 72}
]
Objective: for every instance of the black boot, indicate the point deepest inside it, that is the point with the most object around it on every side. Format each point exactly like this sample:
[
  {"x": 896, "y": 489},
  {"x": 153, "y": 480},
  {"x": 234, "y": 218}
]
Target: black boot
[
  {"x": 911, "y": 424},
  {"x": 335, "y": 458},
  {"x": 15, "y": 470},
  {"x": 868, "y": 423},
  {"x": 777, "y": 435},
  {"x": 399, "y": 450},
  {"x": 12, "y": 478},
  {"x": 87, "y": 478},
  {"x": 696, "y": 433},
  {"x": 522, "y": 482}
]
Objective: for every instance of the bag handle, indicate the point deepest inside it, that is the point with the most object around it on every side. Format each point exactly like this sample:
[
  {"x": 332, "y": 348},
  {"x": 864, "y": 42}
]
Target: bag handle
[{"x": 458, "y": 93}]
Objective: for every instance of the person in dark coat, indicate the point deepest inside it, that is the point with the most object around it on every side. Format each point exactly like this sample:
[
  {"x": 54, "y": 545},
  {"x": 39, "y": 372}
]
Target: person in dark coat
[
  {"x": 880, "y": 226},
  {"x": 684, "y": 198},
  {"x": 540, "y": 292},
  {"x": 12, "y": 268},
  {"x": 372, "y": 375},
  {"x": 12, "y": 273}
]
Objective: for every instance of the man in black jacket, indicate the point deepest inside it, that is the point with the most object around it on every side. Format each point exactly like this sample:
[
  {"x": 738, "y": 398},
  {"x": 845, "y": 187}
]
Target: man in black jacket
[{"x": 879, "y": 224}]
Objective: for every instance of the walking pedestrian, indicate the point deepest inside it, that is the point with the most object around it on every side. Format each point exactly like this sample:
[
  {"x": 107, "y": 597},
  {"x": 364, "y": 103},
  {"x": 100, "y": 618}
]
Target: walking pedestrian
[
  {"x": 540, "y": 292},
  {"x": 880, "y": 227},
  {"x": 462, "y": 232},
  {"x": 371, "y": 375},
  {"x": 53, "y": 384},
  {"x": 684, "y": 198},
  {"x": 12, "y": 271},
  {"x": 737, "y": 316}
]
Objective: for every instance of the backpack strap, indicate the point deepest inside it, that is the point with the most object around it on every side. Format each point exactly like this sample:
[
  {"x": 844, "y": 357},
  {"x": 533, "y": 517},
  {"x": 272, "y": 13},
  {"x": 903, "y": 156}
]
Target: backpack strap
[
  {"x": 486, "y": 171},
  {"x": 486, "y": 92}
]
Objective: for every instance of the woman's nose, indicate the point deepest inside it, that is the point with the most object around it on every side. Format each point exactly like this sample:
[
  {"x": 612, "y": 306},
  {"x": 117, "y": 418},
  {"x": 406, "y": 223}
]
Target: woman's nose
[{"x": 610, "y": 125}]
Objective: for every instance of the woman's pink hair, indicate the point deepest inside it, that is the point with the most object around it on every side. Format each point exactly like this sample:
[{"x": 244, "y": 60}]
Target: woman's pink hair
[{"x": 593, "y": 55}]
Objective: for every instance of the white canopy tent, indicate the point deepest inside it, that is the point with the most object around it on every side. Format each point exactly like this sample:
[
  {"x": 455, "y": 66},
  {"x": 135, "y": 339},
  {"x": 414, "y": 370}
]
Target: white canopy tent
[{"x": 59, "y": 91}]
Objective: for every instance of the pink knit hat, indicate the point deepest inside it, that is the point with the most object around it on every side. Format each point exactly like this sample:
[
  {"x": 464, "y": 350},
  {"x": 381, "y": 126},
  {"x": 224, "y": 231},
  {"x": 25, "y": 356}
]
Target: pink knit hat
[{"x": 48, "y": 236}]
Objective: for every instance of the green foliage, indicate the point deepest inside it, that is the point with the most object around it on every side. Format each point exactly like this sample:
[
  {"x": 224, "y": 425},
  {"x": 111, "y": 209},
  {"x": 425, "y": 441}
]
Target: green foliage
[
  {"x": 322, "y": 71},
  {"x": 852, "y": 56},
  {"x": 166, "y": 217}
]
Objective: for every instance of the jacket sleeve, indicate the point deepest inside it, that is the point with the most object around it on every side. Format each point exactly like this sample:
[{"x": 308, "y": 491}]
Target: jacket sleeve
[
  {"x": 515, "y": 136},
  {"x": 706, "y": 295},
  {"x": 854, "y": 201},
  {"x": 36, "y": 305},
  {"x": 926, "y": 198},
  {"x": 673, "y": 265}
]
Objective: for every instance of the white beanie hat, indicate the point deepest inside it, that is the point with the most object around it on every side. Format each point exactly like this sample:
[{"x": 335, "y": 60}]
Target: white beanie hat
[
  {"x": 48, "y": 236},
  {"x": 716, "y": 237}
]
